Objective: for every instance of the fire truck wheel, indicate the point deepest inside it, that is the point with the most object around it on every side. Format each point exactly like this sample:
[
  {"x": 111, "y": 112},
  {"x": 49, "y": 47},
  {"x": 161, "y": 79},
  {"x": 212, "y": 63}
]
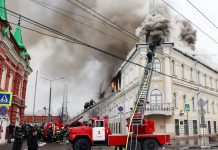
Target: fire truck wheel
[
  {"x": 135, "y": 144},
  {"x": 150, "y": 144},
  {"x": 82, "y": 144}
]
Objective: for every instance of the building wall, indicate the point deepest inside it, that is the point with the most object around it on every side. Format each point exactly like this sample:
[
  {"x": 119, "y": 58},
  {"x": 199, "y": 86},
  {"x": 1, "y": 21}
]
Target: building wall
[
  {"x": 177, "y": 83},
  {"x": 14, "y": 74}
]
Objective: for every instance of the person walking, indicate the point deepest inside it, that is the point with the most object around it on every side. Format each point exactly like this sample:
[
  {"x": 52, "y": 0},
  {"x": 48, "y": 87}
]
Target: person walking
[
  {"x": 18, "y": 139},
  {"x": 10, "y": 132},
  {"x": 32, "y": 140}
]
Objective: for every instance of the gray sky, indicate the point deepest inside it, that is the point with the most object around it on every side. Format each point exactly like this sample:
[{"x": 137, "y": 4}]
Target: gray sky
[{"x": 51, "y": 57}]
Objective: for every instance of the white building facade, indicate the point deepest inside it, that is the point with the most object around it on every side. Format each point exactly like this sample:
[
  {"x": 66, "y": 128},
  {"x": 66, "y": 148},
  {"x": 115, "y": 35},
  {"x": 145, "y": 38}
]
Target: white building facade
[{"x": 182, "y": 79}]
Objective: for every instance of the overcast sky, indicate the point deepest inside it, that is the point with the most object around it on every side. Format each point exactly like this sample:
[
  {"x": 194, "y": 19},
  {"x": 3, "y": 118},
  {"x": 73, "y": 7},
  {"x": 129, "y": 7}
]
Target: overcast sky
[{"x": 84, "y": 78}]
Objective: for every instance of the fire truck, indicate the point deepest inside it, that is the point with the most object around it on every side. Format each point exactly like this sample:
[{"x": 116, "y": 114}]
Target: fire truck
[{"x": 140, "y": 135}]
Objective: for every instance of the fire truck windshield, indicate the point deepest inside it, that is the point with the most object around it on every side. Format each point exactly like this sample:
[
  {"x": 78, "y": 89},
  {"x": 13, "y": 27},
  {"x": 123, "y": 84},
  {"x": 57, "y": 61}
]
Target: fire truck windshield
[{"x": 99, "y": 123}]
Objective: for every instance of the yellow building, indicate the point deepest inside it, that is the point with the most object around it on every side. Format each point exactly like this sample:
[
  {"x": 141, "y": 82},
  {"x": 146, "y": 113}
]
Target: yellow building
[{"x": 184, "y": 79}]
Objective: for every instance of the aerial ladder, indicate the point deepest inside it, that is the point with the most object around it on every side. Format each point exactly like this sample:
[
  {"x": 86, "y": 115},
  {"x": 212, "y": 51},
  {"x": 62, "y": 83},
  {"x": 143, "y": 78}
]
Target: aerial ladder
[{"x": 137, "y": 121}]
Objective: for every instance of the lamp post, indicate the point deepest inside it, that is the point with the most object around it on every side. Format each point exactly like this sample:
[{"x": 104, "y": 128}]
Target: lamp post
[
  {"x": 50, "y": 82},
  {"x": 45, "y": 113}
]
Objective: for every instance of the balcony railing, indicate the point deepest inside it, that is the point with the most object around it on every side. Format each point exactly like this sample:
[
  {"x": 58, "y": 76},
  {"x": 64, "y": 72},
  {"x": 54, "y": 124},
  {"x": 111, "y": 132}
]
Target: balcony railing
[{"x": 159, "y": 109}]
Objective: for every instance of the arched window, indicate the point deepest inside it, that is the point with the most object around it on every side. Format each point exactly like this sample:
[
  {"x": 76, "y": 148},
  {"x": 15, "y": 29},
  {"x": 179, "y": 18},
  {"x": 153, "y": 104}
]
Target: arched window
[
  {"x": 205, "y": 79},
  {"x": 3, "y": 80},
  {"x": 184, "y": 100},
  {"x": 213, "y": 107},
  {"x": 10, "y": 83},
  {"x": 207, "y": 103},
  {"x": 193, "y": 103},
  {"x": 156, "y": 96},
  {"x": 20, "y": 89},
  {"x": 175, "y": 100},
  {"x": 183, "y": 71},
  {"x": 174, "y": 67},
  {"x": 191, "y": 74},
  {"x": 157, "y": 66}
]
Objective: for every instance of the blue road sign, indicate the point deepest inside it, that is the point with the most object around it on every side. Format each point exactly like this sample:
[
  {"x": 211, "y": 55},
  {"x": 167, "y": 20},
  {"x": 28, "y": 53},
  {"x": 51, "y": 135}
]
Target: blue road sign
[
  {"x": 187, "y": 107},
  {"x": 3, "y": 110},
  {"x": 5, "y": 98}
]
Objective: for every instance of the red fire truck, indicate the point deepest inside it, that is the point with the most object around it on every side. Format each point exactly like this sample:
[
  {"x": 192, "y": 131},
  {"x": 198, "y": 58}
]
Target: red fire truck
[{"x": 97, "y": 133}]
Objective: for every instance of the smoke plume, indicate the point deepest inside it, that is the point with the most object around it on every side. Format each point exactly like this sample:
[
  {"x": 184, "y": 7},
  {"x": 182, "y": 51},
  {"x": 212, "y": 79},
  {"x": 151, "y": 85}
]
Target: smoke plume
[{"x": 87, "y": 70}]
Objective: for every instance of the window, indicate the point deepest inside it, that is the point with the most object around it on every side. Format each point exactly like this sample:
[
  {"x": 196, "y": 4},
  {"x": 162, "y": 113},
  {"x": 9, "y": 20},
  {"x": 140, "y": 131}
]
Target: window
[
  {"x": 20, "y": 89},
  {"x": 175, "y": 100},
  {"x": 186, "y": 127},
  {"x": 184, "y": 100},
  {"x": 195, "y": 127},
  {"x": 3, "y": 80},
  {"x": 156, "y": 96},
  {"x": 216, "y": 85},
  {"x": 157, "y": 66},
  {"x": 209, "y": 127},
  {"x": 211, "y": 82},
  {"x": 214, "y": 125},
  {"x": 177, "y": 127},
  {"x": 191, "y": 74},
  {"x": 174, "y": 67},
  {"x": 99, "y": 124},
  {"x": 199, "y": 78},
  {"x": 120, "y": 128},
  {"x": 183, "y": 71},
  {"x": 10, "y": 83},
  {"x": 205, "y": 80},
  {"x": 207, "y": 103},
  {"x": 193, "y": 103},
  {"x": 213, "y": 108}
]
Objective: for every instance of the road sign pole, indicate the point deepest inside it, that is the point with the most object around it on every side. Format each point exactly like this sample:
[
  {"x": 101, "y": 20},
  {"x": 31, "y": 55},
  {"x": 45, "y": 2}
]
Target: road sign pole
[{"x": 187, "y": 124}]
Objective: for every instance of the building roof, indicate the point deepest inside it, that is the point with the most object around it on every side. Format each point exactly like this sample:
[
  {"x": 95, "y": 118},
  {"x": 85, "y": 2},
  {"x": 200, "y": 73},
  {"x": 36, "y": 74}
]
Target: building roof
[
  {"x": 18, "y": 37},
  {"x": 3, "y": 14}
]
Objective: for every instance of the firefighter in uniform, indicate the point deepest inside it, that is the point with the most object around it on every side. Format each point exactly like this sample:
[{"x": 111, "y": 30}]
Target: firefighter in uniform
[
  {"x": 18, "y": 139},
  {"x": 57, "y": 135},
  {"x": 50, "y": 134}
]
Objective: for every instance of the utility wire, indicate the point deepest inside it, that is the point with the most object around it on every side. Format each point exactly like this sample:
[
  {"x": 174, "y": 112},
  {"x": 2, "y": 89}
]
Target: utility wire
[
  {"x": 111, "y": 25},
  {"x": 170, "y": 6},
  {"x": 68, "y": 11},
  {"x": 114, "y": 37},
  {"x": 73, "y": 19},
  {"x": 106, "y": 18},
  {"x": 76, "y": 41},
  {"x": 202, "y": 14}
]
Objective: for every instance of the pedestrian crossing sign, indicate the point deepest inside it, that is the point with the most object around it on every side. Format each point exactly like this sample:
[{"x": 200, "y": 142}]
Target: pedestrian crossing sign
[
  {"x": 187, "y": 107},
  {"x": 5, "y": 98}
]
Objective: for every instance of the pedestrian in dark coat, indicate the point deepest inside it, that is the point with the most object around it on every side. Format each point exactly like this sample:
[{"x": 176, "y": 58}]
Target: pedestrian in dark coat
[
  {"x": 10, "y": 132},
  {"x": 18, "y": 139},
  {"x": 32, "y": 140}
]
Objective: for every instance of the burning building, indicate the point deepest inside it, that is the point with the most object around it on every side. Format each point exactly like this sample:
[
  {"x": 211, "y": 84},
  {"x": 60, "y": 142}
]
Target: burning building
[{"x": 179, "y": 78}]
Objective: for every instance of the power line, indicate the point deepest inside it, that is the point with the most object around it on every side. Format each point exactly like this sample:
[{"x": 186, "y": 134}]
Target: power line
[
  {"x": 68, "y": 11},
  {"x": 76, "y": 41},
  {"x": 73, "y": 19},
  {"x": 117, "y": 28},
  {"x": 170, "y": 6},
  {"x": 202, "y": 14},
  {"x": 106, "y": 18}
]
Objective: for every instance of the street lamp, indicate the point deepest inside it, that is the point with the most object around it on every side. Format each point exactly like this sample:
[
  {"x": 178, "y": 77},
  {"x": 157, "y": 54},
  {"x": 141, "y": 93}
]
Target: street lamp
[{"x": 49, "y": 108}]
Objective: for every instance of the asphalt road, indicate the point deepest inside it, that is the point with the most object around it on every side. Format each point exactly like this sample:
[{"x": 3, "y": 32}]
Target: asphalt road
[
  {"x": 50, "y": 146},
  {"x": 54, "y": 146}
]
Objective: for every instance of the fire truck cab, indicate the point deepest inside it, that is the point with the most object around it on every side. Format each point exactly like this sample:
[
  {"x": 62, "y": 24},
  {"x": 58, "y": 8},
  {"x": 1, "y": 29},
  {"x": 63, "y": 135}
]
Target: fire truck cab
[{"x": 85, "y": 136}]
